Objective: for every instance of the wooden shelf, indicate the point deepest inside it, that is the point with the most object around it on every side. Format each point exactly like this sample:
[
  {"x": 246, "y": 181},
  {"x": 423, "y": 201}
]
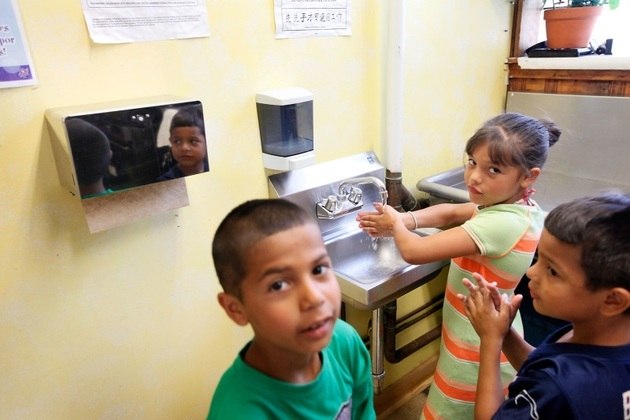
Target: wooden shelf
[
  {"x": 570, "y": 82},
  {"x": 525, "y": 25}
]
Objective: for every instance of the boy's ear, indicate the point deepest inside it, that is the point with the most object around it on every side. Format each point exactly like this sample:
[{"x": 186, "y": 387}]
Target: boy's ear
[
  {"x": 617, "y": 301},
  {"x": 233, "y": 308},
  {"x": 531, "y": 177}
]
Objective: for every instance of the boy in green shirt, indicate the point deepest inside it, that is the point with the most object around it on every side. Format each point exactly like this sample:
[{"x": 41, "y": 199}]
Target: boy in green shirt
[{"x": 303, "y": 362}]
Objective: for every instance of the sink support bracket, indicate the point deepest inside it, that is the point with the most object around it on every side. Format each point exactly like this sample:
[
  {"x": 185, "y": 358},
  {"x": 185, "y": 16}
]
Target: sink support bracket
[{"x": 377, "y": 350}]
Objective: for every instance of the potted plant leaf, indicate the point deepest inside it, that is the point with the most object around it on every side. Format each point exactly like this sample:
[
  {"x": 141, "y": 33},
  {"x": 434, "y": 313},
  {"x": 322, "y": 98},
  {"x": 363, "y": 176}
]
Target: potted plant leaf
[{"x": 570, "y": 23}]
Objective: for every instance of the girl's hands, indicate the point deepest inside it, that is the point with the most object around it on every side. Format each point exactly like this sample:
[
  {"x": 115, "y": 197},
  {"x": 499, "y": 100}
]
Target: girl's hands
[{"x": 380, "y": 222}]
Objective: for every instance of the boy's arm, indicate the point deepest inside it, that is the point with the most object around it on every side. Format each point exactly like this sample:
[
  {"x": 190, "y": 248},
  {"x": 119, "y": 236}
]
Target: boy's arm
[
  {"x": 516, "y": 349},
  {"x": 490, "y": 316},
  {"x": 489, "y": 396}
]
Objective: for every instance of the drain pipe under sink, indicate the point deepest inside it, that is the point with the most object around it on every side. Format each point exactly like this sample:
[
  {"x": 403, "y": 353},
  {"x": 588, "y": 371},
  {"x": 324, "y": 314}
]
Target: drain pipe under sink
[
  {"x": 393, "y": 326},
  {"x": 384, "y": 328}
]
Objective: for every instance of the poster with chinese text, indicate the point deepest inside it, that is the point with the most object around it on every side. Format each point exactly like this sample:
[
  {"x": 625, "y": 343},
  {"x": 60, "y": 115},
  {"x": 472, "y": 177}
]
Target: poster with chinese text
[{"x": 310, "y": 18}]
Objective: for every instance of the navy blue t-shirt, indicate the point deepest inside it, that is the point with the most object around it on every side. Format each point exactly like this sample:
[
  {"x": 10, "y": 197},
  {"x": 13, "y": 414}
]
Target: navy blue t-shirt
[{"x": 570, "y": 381}]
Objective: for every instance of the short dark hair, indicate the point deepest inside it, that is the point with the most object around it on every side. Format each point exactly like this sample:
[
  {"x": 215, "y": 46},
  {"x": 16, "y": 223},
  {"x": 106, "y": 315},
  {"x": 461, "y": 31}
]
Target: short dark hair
[
  {"x": 90, "y": 148},
  {"x": 242, "y": 228},
  {"x": 600, "y": 224},
  {"x": 189, "y": 116},
  {"x": 516, "y": 139}
]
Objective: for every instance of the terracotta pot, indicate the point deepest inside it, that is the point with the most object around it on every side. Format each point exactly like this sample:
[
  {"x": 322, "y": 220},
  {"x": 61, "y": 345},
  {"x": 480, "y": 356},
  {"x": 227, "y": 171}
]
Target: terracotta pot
[{"x": 570, "y": 27}]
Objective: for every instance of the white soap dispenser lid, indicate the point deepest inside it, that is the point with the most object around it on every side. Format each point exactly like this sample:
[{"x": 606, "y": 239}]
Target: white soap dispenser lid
[{"x": 284, "y": 96}]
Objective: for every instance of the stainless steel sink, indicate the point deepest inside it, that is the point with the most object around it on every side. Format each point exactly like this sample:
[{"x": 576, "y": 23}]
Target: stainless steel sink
[
  {"x": 448, "y": 185},
  {"x": 371, "y": 271}
]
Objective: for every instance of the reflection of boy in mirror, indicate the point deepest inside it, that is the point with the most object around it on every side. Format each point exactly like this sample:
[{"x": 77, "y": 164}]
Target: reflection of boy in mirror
[
  {"x": 188, "y": 144},
  {"x": 92, "y": 155}
]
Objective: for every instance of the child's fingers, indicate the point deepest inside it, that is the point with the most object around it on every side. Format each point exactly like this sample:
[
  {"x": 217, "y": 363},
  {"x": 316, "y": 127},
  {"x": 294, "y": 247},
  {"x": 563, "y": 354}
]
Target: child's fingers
[
  {"x": 481, "y": 280},
  {"x": 491, "y": 287},
  {"x": 478, "y": 278},
  {"x": 495, "y": 295},
  {"x": 516, "y": 303},
  {"x": 483, "y": 283},
  {"x": 469, "y": 284},
  {"x": 472, "y": 288}
]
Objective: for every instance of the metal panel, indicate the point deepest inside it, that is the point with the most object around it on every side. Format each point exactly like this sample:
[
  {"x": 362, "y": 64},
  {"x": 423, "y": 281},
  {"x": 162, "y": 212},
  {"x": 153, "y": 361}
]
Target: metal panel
[
  {"x": 590, "y": 156},
  {"x": 308, "y": 186},
  {"x": 594, "y": 143}
]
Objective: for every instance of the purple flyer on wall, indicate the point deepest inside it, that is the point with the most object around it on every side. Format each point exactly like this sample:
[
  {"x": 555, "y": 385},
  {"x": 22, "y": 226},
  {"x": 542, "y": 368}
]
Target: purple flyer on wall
[{"x": 16, "y": 66}]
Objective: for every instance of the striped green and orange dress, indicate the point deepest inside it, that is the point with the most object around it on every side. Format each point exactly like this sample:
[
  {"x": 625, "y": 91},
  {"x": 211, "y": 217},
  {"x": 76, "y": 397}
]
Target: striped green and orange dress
[{"x": 506, "y": 236}]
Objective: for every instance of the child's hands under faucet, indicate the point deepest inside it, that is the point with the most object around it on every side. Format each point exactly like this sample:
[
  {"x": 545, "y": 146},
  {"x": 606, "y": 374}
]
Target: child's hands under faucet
[{"x": 380, "y": 222}]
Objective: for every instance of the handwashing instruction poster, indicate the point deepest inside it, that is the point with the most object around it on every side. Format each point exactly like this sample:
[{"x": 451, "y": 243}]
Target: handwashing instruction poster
[
  {"x": 309, "y": 18},
  {"x": 118, "y": 21},
  {"x": 16, "y": 66}
]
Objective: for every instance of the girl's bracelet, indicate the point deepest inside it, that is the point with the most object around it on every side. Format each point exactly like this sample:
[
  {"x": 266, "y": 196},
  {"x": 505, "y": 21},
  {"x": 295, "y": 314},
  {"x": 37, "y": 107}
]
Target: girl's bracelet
[{"x": 415, "y": 221}]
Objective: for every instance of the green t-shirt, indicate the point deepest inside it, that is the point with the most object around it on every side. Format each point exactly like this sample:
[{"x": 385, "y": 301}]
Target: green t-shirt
[{"x": 342, "y": 390}]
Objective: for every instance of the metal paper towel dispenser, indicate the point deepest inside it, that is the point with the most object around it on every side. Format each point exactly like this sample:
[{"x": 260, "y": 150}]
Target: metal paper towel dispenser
[
  {"x": 128, "y": 159},
  {"x": 127, "y": 143}
]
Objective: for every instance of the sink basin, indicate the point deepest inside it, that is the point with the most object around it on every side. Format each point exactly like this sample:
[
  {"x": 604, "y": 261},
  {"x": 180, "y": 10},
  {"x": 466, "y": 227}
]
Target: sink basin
[
  {"x": 449, "y": 185},
  {"x": 371, "y": 272}
]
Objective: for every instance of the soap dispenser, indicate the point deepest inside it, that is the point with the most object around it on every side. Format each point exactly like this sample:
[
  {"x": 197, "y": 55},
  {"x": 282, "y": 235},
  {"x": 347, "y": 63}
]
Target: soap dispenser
[{"x": 285, "y": 120}]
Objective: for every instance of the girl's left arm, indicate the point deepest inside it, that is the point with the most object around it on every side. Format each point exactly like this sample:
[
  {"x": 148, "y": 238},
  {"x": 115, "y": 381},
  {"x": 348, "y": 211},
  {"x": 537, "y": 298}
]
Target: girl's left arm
[
  {"x": 447, "y": 244},
  {"x": 416, "y": 249}
]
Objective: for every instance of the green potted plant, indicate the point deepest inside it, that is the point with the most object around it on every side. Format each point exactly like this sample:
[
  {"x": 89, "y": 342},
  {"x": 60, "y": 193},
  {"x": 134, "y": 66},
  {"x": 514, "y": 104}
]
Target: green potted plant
[{"x": 570, "y": 23}]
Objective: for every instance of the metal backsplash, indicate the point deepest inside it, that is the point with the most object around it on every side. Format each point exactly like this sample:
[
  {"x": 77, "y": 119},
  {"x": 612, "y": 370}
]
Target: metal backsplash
[
  {"x": 594, "y": 143},
  {"x": 308, "y": 186}
]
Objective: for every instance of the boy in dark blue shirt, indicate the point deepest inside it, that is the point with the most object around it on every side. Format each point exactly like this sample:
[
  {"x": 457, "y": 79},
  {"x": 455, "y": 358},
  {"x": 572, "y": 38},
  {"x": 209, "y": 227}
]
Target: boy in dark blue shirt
[{"x": 582, "y": 275}]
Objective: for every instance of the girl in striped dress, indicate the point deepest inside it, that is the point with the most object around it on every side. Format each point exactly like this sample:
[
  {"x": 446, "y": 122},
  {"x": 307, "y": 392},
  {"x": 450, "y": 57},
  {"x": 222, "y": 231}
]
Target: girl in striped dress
[{"x": 496, "y": 235}]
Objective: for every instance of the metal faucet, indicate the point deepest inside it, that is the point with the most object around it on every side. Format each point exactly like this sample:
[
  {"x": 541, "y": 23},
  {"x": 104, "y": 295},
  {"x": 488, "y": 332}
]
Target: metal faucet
[
  {"x": 343, "y": 187},
  {"x": 349, "y": 197}
]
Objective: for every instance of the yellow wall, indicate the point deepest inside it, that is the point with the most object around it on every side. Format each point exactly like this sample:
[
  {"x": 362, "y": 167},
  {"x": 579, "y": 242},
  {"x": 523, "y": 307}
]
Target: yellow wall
[{"x": 124, "y": 323}]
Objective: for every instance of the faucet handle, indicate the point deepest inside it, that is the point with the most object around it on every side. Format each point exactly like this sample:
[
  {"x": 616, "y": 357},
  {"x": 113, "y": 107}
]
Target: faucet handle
[
  {"x": 355, "y": 196},
  {"x": 330, "y": 203},
  {"x": 343, "y": 190}
]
